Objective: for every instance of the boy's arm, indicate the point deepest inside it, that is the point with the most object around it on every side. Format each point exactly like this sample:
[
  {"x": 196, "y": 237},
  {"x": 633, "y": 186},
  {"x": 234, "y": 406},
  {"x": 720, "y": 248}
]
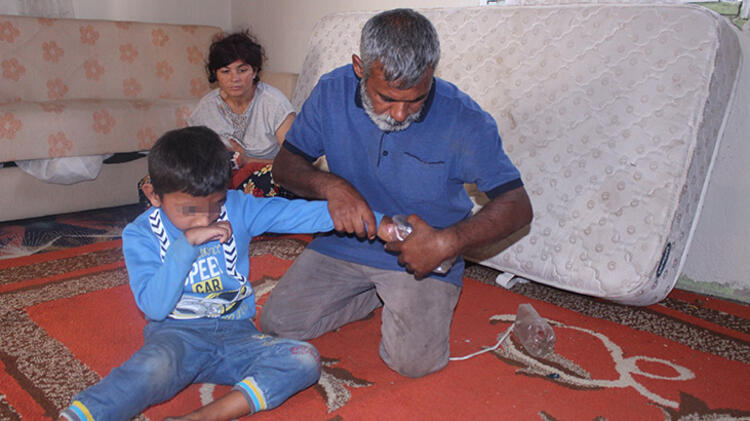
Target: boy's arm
[
  {"x": 297, "y": 216},
  {"x": 156, "y": 286}
]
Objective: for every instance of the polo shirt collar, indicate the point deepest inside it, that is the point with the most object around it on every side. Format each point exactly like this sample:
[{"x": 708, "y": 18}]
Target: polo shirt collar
[{"x": 422, "y": 114}]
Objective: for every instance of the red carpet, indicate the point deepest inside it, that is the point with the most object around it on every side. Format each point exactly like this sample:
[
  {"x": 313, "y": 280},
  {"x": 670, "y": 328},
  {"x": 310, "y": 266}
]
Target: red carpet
[{"x": 68, "y": 318}]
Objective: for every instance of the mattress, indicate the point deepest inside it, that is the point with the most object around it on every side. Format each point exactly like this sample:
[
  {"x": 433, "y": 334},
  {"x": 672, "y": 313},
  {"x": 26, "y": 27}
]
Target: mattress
[{"x": 612, "y": 112}]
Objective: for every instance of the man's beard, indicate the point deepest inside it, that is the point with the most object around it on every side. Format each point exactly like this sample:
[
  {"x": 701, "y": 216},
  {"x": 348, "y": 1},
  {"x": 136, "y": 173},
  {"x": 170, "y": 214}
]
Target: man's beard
[{"x": 384, "y": 121}]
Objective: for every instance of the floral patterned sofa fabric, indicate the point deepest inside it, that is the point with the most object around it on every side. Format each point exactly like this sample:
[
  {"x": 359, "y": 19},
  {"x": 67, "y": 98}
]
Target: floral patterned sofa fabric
[
  {"x": 612, "y": 112},
  {"x": 86, "y": 126},
  {"x": 71, "y": 88},
  {"x": 78, "y": 87}
]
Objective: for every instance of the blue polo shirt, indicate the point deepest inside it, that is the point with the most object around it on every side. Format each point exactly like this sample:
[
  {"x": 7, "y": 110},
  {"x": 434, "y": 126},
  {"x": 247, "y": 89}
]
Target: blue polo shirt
[{"x": 419, "y": 170}]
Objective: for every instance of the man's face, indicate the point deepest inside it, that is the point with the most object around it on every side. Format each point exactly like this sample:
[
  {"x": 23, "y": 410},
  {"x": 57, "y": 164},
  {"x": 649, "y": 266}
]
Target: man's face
[{"x": 389, "y": 107}]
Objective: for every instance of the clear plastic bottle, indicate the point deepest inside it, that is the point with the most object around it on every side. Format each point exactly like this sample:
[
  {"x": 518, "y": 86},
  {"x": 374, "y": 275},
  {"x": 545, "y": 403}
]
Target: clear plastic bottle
[
  {"x": 534, "y": 333},
  {"x": 403, "y": 229}
]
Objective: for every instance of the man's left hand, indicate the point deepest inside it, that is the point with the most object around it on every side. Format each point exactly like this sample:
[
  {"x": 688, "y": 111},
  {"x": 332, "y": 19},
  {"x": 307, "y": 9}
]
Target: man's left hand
[{"x": 425, "y": 248}]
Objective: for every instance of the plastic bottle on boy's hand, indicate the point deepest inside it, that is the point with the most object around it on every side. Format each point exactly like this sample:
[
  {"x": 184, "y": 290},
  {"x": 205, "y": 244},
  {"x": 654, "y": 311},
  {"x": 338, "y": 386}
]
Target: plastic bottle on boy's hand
[
  {"x": 399, "y": 229},
  {"x": 534, "y": 333}
]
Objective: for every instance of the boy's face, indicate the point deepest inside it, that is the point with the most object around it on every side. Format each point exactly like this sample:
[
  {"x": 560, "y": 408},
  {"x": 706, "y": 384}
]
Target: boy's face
[{"x": 186, "y": 211}]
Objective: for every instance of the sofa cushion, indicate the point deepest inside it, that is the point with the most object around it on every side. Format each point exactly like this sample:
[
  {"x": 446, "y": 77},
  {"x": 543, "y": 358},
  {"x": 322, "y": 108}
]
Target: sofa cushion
[
  {"x": 84, "y": 87},
  {"x": 33, "y": 130}
]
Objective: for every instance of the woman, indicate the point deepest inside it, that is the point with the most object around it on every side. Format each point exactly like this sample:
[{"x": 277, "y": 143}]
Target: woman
[{"x": 251, "y": 117}]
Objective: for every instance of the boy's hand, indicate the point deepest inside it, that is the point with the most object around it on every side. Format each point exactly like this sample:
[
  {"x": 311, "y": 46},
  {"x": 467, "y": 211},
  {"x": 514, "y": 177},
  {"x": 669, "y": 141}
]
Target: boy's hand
[
  {"x": 387, "y": 230},
  {"x": 218, "y": 231}
]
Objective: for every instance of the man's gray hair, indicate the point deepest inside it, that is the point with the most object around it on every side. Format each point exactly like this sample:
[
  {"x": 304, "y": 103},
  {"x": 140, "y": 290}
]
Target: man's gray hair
[{"x": 404, "y": 42}]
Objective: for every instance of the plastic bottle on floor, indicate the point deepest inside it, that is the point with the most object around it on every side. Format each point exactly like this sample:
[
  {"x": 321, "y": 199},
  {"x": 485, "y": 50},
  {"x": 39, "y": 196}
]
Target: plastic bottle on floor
[
  {"x": 534, "y": 333},
  {"x": 403, "y": 229}
]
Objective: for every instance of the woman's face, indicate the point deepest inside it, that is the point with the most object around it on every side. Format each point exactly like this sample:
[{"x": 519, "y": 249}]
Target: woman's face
[{"x": 236, "y": 79}]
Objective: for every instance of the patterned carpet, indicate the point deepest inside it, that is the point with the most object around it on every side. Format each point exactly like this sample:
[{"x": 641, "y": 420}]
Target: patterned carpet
[
  {"x": 58, "y": 232},
  {"x": 69, "y": 317}
]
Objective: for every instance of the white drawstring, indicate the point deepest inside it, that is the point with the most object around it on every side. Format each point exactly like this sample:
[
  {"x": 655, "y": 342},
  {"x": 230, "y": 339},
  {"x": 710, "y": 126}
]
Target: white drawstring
[{"x": 496, "y": 346}]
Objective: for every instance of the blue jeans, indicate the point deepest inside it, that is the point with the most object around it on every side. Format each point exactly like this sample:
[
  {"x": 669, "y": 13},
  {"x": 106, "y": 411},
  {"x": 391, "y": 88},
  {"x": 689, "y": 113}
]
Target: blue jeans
[{"x": 176, "y": 353}]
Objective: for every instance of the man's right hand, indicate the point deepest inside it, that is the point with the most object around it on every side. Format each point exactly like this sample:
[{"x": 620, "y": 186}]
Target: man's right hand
[{"x": 349, "y": 210}]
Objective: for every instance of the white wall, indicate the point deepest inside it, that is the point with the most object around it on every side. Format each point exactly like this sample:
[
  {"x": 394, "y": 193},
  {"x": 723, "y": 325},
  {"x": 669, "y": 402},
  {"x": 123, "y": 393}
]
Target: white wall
[
  {"x": 188, "y": 12},
  {"x": 718, "y": 261},
  {"x": 284, "y": 26}
]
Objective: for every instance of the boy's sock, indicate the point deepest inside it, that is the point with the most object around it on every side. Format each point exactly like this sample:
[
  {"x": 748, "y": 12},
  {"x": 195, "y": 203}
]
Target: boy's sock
[
  {"x": 77, "y": 411},
  {"x": 253, "y": 394}
]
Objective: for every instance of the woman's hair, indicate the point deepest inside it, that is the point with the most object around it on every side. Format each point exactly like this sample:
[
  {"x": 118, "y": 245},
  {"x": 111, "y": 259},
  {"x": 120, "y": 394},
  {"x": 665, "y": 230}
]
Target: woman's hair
[
  {"x": 191, "y": 160},
  {"x": 228, "y": 48},
  {"x": 404, "y": 42}
]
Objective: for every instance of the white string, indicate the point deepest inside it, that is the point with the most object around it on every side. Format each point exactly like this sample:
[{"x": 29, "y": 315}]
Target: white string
[{"x": 496, "y": 346}]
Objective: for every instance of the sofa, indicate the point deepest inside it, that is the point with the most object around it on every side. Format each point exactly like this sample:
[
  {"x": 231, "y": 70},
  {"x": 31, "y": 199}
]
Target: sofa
[
  {"x": 613, "y": 113},
  {"x": 93, "y": 88}
]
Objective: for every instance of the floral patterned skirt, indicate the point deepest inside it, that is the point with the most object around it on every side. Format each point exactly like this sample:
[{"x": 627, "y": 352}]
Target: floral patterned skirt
[{"x": 256, "y": 179}]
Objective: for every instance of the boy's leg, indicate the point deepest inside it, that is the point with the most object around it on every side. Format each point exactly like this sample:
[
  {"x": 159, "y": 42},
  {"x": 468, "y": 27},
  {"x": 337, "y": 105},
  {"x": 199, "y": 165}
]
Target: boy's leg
[
  {"x": 265, "y": 371},
  {"x": 166, "y": 364},
  {"x": 316, "y": 295},
  {"x": 415, "y": 322},
  {"x": 282, "y": 367}
]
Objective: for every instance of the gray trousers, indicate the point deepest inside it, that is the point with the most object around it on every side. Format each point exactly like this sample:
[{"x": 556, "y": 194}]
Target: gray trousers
[{"x": 320, "y": 293}]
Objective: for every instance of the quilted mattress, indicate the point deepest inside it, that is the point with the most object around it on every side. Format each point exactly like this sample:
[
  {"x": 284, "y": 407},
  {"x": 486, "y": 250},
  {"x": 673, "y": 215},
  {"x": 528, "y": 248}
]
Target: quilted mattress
[{"x": 612, "y": 112}]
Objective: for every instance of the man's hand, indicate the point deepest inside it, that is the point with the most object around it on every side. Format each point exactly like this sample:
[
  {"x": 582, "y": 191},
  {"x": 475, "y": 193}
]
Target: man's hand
[
  {"x": 425, "y": 248},
  {"x": 350, "y": 212},
  {"x": 218, "y": 231}
]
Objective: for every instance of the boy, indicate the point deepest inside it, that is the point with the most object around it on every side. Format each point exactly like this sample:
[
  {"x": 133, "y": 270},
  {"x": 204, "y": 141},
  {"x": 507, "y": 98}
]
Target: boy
[{"x": 187, "y": 259}]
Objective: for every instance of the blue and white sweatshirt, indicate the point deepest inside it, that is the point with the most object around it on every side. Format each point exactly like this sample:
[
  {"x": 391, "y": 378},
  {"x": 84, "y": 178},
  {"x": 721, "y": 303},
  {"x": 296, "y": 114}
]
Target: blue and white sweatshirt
[{"x": 171, "y": 278}]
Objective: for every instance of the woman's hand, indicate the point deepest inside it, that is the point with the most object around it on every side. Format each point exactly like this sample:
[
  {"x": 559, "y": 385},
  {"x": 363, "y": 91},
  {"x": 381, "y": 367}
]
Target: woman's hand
[{"x": 242, "y": 158}]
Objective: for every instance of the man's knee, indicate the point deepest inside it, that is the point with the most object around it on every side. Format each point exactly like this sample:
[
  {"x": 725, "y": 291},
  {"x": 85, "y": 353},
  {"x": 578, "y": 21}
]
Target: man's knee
[
  {"x": 414, "y": 364},
  {"x": 276, "y": 322},
  {"x": 416, "y": 367},
  {"x": 268, "y": 322}
]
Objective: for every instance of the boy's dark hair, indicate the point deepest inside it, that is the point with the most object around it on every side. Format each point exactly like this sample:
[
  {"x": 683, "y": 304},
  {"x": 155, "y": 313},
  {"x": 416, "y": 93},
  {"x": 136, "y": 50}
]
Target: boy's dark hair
[
  {"x": 226, "y": 49},
  {"x": 191, "y": 160}
]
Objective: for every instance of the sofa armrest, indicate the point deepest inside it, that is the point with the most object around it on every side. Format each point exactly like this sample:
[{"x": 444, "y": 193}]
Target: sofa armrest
[{"x": 285, "y": 82}]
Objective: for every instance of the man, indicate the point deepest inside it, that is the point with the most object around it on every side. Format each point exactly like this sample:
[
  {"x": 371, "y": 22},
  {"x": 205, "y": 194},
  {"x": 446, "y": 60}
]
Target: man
[{"x": 397, "y": 140}]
